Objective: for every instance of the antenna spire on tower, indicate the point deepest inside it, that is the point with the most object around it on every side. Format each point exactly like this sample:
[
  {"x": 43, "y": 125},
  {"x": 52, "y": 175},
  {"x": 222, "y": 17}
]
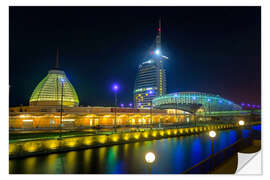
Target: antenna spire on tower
[
  {"x": 57, "y": 59},
  {"x": 158, "y": 37}
]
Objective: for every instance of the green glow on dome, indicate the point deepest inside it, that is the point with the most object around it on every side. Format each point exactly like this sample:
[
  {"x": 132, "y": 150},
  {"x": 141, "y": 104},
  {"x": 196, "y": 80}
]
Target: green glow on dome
[{"x": 48, "y": 91}]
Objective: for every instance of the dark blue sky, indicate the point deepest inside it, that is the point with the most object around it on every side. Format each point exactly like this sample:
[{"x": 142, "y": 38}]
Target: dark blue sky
[{"x": 210, "y": 49}]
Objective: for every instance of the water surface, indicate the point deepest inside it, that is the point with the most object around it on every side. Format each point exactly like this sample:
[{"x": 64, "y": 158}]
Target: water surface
[{"x": 174, "y": 155}]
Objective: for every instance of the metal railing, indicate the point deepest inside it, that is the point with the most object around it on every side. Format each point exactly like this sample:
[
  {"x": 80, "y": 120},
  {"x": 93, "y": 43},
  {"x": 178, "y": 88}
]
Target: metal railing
[{"x": 209, "y": 164}]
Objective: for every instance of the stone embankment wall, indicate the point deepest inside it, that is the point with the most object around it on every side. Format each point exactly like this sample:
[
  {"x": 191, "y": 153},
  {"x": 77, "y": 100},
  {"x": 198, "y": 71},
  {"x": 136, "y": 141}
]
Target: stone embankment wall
[{"x": 36, "y": 147}]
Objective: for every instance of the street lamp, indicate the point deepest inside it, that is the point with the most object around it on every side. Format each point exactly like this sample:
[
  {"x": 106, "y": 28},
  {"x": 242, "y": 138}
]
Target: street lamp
[
  {"x": 115, "y": 89},
  {"x": 130, "y": 104},
  {"x": 241, "y": 123},
  {"x": 212, "y": 134},
  {"x": 150, "y": 157},
  {"x": 61, "y": 107}
]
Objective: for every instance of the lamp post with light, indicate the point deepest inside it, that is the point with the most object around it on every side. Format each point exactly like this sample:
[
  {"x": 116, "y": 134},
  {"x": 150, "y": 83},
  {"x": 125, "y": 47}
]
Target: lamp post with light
[
  {"x": 61, "y": 107},
  {"x": 115, "y": 89},
  {"x": 241, "y": 123},
  {"x": 150, "y": 157},
  {"x": 212, "y": 134}
]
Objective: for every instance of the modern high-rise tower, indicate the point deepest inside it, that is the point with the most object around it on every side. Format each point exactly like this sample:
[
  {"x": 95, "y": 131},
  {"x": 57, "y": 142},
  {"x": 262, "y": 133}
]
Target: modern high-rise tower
[{"x": 151, "y": 78}]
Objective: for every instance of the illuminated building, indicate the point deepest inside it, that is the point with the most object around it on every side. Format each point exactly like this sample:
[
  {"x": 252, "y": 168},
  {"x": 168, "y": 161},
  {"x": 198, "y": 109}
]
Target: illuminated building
[
  {"x": 49, "y": 116},
  {"x": 45, "y": 111},
  {"x": 49, "y": 91},
  {"x": 151, "y": 76},
  {"x": 194, "y": 102}
]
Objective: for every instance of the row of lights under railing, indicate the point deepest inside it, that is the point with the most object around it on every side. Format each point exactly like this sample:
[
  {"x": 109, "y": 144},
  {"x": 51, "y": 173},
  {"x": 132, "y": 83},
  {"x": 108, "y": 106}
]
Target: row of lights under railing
[{"x": 150, "y": 157}]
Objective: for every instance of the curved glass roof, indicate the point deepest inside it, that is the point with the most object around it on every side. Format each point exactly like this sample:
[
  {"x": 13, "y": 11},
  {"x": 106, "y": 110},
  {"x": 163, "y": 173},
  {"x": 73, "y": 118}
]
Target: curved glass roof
[
  {"x": 49, "y": 90},
  {"x": 208, "y": 102}
]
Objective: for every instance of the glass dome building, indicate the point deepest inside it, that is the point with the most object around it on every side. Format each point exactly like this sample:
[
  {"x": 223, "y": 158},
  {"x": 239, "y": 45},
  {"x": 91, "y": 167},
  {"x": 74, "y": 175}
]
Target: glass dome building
[
  {"x": 49, "y": 91},
  {"x": 194, "y": 101}
]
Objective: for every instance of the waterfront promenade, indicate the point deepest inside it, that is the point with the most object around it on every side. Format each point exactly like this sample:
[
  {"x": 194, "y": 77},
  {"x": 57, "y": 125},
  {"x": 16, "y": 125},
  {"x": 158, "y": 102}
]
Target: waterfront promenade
[
  {"x": 175, "y": 155},
  {"x": 34, "y": 145}
]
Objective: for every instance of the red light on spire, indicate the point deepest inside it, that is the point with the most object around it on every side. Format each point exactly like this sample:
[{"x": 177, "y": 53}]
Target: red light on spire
[{"x": 158, "y": 29}]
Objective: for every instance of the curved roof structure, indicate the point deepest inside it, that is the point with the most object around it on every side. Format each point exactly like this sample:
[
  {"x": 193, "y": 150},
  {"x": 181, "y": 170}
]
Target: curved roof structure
[
  {"x": 192, "y": 101},
  {"x": 49, "y": 91}
]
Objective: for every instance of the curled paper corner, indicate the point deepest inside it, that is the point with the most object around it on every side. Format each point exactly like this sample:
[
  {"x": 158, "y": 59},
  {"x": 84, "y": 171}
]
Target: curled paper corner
[{"x": 249, "y": 163}]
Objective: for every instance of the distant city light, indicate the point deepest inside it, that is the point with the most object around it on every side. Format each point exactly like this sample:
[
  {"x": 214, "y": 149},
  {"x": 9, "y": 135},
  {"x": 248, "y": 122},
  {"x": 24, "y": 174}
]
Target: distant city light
[
  {"x": 253, "y": 106},
  {"x": 175, "y": 95},
  {"x": 248, "y": 105},
  {"x": 122, "y": 105},
  {"x": 157, "y": 52},
  {"x": 208, "y": 100},
  {"x": 130, "y": 104},
  {"x": 194, "y": 98},
  {"x": 220, "y": 101},
  {"x": 242, "y": 104},
  {"x": 62, "y": 80},
  {"x": 150, "y": 92},
  {"x": 258, "y": 106}
]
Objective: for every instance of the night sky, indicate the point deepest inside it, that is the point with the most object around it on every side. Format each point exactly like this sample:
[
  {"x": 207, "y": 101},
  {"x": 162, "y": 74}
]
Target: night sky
[{"x": 210, "y": 49}]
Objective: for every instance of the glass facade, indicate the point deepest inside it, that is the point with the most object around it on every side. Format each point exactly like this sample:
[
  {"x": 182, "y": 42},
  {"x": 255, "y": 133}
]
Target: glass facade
[
  {"x": 150, "y": 82},
  {"x": 49, "y": 90},
  {"x": 202, "y": 101}
]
